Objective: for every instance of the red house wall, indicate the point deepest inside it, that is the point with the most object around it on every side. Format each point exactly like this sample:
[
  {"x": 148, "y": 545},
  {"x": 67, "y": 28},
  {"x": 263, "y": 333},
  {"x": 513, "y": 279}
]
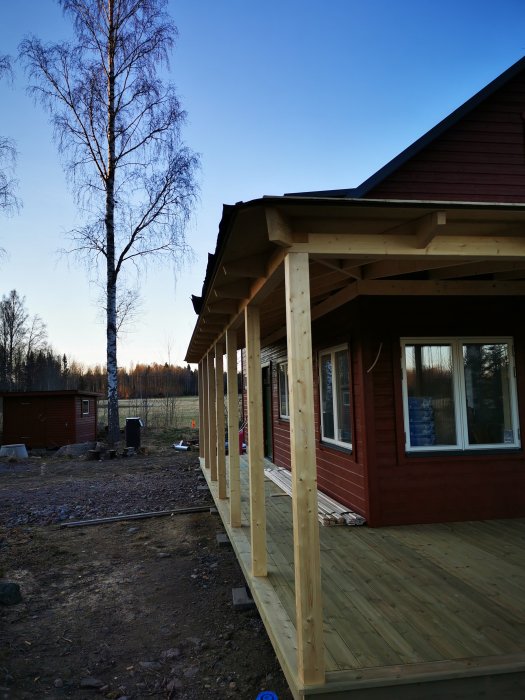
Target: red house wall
[
  {"x": 479, "y": 159},
  {"x": 412, "y": 488},
  {"x": 377, "y": 478}
]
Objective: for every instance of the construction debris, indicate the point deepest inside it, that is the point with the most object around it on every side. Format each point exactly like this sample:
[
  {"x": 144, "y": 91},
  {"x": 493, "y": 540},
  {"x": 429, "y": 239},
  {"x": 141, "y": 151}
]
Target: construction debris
[
  {"x": 137, "y": 516},
  {"x": 330, "y": 512}
]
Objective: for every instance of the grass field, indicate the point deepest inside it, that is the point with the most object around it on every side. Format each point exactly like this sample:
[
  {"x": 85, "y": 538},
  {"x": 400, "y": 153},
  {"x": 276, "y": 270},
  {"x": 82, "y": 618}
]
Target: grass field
[{"x": 180, "y": 413}]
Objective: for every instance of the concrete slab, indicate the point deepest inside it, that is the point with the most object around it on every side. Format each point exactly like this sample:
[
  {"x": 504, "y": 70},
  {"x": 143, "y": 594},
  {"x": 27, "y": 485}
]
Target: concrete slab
[
  {"x": 223, "y": 540},
  {"x": 242, "y": 599}
]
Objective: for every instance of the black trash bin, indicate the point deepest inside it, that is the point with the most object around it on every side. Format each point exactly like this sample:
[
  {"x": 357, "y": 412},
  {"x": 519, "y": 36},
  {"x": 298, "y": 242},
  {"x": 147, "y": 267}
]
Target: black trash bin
[{"x": 133, "y": 426}]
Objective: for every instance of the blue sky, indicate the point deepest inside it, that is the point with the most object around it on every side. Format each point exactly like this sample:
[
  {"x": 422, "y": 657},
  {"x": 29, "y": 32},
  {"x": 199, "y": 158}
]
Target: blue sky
[{"x": 281, "y": 96}]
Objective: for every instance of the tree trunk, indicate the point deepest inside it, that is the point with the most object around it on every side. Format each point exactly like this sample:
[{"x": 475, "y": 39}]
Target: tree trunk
[{"x": 111, "y": 288}]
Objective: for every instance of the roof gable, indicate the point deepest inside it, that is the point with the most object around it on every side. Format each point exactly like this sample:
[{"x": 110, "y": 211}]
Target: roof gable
[{"x": 477, "y": 153}]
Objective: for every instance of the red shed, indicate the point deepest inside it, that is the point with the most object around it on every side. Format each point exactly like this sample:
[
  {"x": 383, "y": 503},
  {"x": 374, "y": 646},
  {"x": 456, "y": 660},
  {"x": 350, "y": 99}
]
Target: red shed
[{"x": 49, "y": 418}]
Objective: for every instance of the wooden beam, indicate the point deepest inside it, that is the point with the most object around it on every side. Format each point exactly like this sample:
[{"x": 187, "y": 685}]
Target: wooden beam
[
  {"x": 391, "y": 268},
  {"x": 201, "y": 409},
  {"x": 307, "y": 559},
  {"x": 350, "y": 292},
  {"x": 429, "y": 226},
  {"x": 278, "y": 228},
  {"x": 204, "y": 421},
  {"x": 255, "y": 442},
  {"x": 219, "y": 397},
  {"x": 342, "y": 266},
  {"x": 233, "y": 428},
  {"x": 483, "y": 267},
  {"x": 385, "y": 246},
  {"x": 226, "y": 306},
  {"x": 233, "y": 290},
  {"x": 252, "y": 266},
  {"x": 212, "y": 418},
  {"x": 439, "y": 288}
]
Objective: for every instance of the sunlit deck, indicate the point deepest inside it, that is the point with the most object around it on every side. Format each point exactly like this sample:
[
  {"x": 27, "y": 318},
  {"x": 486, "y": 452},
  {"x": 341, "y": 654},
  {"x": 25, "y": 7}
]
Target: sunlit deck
[{"x": 430, "y": 611}]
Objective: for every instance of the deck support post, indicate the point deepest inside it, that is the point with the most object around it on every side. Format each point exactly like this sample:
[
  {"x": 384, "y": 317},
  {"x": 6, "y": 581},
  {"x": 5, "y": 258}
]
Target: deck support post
[
  {"x": 201, "y": 407},
  {"x": 255, "y": 441},
  {"x": 212, "y": 418},
  {"x": 233, "y": 428},
  {"x": 205, "y": 417},
  {"x": 307, "y": 559},
  {"x": 219, "y": 393}
]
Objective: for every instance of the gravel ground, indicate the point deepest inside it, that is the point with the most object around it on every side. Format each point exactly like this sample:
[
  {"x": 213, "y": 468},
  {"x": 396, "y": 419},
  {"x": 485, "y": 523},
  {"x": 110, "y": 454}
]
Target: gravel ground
[{"x": 131, "y": 609}]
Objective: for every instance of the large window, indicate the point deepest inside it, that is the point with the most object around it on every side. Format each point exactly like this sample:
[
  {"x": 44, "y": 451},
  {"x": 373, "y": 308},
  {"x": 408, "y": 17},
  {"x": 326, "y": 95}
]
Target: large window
[
  {"x": 284, "y": 408},
  {"x": 459, "y": 393},
  {"x": 335, "y": 396}
]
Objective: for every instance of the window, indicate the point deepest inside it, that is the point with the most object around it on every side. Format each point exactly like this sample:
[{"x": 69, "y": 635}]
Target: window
[
  {"x": 335, "y": 396},
  {"x": 284, "y": 406},
  {"x": 85, "y": 407},
  {"x": 459, "y": 393}
]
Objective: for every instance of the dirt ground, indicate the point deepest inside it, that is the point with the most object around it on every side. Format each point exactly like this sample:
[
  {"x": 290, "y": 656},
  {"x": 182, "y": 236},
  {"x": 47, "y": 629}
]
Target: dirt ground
[{"x": 130, "y": 609}]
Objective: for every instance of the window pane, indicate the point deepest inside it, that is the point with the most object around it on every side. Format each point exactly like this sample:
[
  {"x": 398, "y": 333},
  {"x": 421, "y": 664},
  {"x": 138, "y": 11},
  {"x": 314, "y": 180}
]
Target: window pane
[
  {"x": 487, "y": 389},
  {"x": 327, "y": 397},
  {"x": 431, "y": 411},
  {"x": 343, "y": 396},
  {"x": 283, "y": 390}
]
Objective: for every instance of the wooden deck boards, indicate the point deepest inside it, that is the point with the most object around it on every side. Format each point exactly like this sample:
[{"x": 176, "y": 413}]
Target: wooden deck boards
[{"x": 434, "y": 602}]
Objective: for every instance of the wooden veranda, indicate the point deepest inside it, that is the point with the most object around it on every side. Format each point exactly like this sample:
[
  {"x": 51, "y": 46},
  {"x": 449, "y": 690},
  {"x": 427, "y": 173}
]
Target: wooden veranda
[
  {"x": 359, "y": 610},
  {"x": 411, "y": 612}
]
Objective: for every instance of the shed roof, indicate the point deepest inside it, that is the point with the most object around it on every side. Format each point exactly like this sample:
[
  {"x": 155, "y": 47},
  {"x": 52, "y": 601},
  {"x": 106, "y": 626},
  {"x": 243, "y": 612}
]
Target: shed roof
[{"x": 41, "y": 394}]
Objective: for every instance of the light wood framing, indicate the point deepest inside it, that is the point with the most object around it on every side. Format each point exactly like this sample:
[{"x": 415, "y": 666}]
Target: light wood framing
[
  {"x": 402, "y": 610},
  {"x": 212, "y": 418},
  {"x": 308, "y": 604},
  {"x": 255, "y": 442},
  {"x": 219, "y": 398},
  {"x": 204, "y": 435},
  {"x": 410, "y": 612},
  {"x": 233, "y": 428}
]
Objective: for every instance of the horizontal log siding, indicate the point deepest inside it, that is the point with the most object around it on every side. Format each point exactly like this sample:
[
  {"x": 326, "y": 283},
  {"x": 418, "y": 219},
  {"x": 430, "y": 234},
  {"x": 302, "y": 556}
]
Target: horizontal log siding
[
  {"x": 481, "y": 158},
  {"x": 281, "y": 426},
  {"x": 340, "y": 473},
  {"x": 411, "y": 488}
]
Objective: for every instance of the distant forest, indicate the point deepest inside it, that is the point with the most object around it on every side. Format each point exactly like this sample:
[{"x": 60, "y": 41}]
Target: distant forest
[{"x": 29, "y": 363}]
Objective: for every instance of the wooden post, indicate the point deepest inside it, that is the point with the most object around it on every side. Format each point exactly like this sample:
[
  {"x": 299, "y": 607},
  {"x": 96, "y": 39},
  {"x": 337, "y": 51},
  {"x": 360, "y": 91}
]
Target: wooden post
[
  {"x": 307, "y": 560},
  {"x": 212, "y": 418},
  {"x": 233, "y": 428},
  {"x": 205, "y": 417},
  {"x": 255, "y": 442},
  {"x": 201, "y": 409},
  {"x": 219, "y": 392}
]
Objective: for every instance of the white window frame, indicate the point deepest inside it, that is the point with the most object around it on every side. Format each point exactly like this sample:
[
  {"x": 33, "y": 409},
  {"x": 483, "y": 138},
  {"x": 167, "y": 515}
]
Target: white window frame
[
  {"x": 84, "y": 407},
  {"x": 456, "y": 344},
  {"x": 333, "y": 441},
  {"x": 283, "y": 376}
]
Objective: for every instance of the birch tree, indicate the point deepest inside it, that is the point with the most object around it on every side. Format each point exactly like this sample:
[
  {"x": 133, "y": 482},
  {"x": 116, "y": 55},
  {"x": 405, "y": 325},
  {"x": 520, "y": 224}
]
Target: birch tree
[
  {"x": 118, "y": 126},
  {"x": 8, "y": 200}
]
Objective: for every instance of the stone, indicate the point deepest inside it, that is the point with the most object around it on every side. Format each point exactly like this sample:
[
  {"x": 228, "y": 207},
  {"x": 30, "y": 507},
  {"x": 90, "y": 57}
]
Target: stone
[
  {"x": 222, "y": 539},
  {"x": 58, "y": 683},
  {"x": 242, "y": 600},
  {"x": 10, "y": 593},
  {"x": 90, "y": 682},
  {"x": 150, "y": 665},
  {"x": 174, "y": 684},
  {"x": 170, "y": 654}
]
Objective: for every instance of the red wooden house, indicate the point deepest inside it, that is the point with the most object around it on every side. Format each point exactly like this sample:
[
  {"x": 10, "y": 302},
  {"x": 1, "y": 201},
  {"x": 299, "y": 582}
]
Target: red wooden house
[
  {"x": 49, "y": 419},
  {"x": 416, "y": 281},
  {"x": 384, "y": 354}
]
